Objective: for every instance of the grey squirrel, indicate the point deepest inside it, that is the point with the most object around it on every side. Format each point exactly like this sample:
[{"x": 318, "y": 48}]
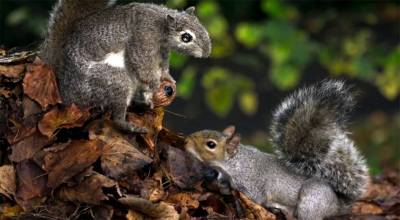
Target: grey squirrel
[
  {"x": 106, "y": 56},
  {"x": 316, "y": 172}
]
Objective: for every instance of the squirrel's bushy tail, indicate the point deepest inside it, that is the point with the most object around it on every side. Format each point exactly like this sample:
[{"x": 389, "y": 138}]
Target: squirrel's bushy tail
[
  {"x": 309, "y": 133},
  {"x": 62, "y": 17}
]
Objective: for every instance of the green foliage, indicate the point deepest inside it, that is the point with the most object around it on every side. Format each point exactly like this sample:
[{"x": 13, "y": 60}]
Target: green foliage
[
  {"x": 186, "y": 83},
  {"x": 286, "y": 39},
  {"x": 223, "y": 88}
]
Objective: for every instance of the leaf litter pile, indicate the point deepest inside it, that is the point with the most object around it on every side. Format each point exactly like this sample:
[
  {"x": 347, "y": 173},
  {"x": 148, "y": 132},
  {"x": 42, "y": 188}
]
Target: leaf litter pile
[{"x": 65, "y": 162}]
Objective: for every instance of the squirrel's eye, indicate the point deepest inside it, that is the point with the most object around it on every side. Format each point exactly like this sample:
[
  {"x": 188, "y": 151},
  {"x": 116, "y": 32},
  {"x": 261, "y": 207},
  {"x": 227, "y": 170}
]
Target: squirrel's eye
[
  {"x": 211, "y": 144},
  {"x": 186, "y": 37}
]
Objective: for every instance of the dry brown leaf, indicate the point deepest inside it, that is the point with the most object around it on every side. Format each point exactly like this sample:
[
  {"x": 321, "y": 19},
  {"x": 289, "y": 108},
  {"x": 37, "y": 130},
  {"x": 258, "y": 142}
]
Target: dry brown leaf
[
  {"x": 12, "y": 71},
  {"x": 9, "y": 212},
  {"x": 40, "y": 84},
  {"x": 30, "y": 107},
  {"x": 152, "y": 189},
  {"x": 21, "y": 131},
  {"x": 62, "y": 164},
  {"x": 184, "y": 199},
  {"x": 68, "y": 117},
  {"x": 366, "y": 208},
  {"x": 152, "y": 120},
  {"x": 134, "y": 215},
  {"x": 27, "y": 147},
  {"x": 102, "y": 212},
  {"x": 161, "y": 210},
  {"x": 259, "y": 211},
  {"x": 8, "y": 184},
  {"x": 185, "y": 170},
  {"x": 5, "y": 92},
  {"x": 31, "y": 183},
  {"x": 161, "y": 97},
  {"x": 122, "y": 158},
  {"x": 90, "y": 190}
]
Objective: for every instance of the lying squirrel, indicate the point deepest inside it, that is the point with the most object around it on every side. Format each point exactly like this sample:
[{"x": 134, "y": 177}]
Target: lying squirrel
[
  {"x": 316, "y": 172},
  {"x": 107, "y": 56}
]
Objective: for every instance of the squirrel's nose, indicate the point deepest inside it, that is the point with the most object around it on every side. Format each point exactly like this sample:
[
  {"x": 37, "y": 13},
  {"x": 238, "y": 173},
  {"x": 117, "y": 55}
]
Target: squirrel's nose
[{"x": 210, "y": 174}]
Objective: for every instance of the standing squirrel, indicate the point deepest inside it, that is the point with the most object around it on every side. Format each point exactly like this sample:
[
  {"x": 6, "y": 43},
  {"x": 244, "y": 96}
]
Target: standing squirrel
[
  {"x": 316, "y": 171},
  {"x": 107, "y": 56}
]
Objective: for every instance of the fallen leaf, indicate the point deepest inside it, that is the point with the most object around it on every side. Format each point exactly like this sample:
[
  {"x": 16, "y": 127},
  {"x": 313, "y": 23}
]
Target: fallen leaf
[
  {"x": 90, "y": 190},
  {"x": 16, "y": 57},
  {"x": 185, "y": 170},
  {"x": 102, "y": 212},
  {"x": 259, "y": 211},
  {"x": 8, "y": 184},
  {"x": 214, "y": 203},
  {"x": 152, "y": 120},
  {"x": 71, "y": 160},
  {"x": 31, "y": 187},
  {"x": 9, "y": 212},
  {"x": 165, "y": 94},
  {"x": 152, "y": 188},
  {"x": 40, "y": 84},
  {"x": 30, "y": 107},
  {"x": 5, "y": 92},
  {"x": 159, "y": 210},
  {"x": 27, "y": 147},
  {"x": 365, "y": 207},
  {"x": 21, "y": 130},
  {"x": 122, "y": 158},
  {"x": 184, "y": 199},
  {"x": 68, "y": 117},
  {"x": 12, "y": 71},
  {"x": 134, "y": 215}
]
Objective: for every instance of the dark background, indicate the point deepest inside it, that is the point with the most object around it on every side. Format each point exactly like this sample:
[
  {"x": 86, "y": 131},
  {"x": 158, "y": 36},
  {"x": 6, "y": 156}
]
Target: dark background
[{"x": 262, "y": 51}]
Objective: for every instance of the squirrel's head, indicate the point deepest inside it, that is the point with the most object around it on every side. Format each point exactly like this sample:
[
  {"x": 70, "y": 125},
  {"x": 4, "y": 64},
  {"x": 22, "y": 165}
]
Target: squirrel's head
[
  {"x": 187, "y": 35},
  {"x": 209, "y": 145}
]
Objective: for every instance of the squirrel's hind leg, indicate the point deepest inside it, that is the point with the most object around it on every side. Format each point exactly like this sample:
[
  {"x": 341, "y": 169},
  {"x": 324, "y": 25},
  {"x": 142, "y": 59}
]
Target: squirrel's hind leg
[
  {"x": 112, "y": 88},
  {"x": 317, "y": 200}
]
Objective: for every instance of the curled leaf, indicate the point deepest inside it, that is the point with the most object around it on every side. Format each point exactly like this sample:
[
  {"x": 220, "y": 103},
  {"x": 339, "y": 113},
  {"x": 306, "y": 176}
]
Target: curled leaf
[
  {"x": 122, "y": 158},
  {"x": 40, "y": 84},
  {"x": 152, "y": 120},
  {"x": 62, "y": 164},
  {"x": 31, "y": 186},
  {"x": 159, "y": 210},
  {"x": 90, "y": 190},
  {"x": 12, "y": 71},
  {"x": 26, "y": 148},
  {"x": 69, "y": 117}
]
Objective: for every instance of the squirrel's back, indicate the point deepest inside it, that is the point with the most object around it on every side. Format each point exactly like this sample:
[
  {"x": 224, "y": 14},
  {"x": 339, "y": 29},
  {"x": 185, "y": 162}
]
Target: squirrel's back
[
  {"x": 309, "y": 133},
  {"x": 62, "y": 18}
]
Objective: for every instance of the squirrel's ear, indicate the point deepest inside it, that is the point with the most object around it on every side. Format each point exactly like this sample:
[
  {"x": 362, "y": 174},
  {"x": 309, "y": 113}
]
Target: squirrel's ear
[
  {"x": 170, "y": 19},
  {"x": 190, "y": 10},
  {"x": 232, "y": 145},
  {"x": 229, "y": 131}
]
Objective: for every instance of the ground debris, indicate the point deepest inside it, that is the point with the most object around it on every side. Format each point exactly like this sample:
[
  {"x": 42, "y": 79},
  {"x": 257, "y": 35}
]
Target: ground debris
[{"x": 64, "y": 162}]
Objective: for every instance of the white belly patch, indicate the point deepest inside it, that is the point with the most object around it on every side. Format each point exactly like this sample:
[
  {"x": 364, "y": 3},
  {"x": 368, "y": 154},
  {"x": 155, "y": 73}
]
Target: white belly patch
[{"x": 115, "y": 59}]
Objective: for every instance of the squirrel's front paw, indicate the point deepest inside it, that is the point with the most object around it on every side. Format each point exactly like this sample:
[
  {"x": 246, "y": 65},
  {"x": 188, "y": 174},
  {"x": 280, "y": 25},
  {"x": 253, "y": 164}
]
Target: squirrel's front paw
[{"x": 127, "y": 127}]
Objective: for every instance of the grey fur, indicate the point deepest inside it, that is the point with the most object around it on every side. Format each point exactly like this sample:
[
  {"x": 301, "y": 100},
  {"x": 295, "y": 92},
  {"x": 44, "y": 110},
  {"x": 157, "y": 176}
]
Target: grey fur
[
  {"x": 78, "y": 45},
  {"x": 309, "y": 133},
  {"x": 317, "y": 171}
]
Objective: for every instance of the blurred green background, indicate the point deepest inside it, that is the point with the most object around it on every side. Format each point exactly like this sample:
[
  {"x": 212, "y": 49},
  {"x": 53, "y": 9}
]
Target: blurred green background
[{"x": 262, "y": 51}]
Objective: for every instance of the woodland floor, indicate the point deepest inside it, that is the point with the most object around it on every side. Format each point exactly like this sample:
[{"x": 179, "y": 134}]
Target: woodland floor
[{"x": 63, "y": 162}]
